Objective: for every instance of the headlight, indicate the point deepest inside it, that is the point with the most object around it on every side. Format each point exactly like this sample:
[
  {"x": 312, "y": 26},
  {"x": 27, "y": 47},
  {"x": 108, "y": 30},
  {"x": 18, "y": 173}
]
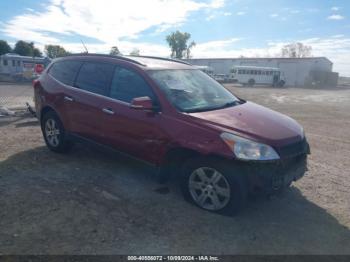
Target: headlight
[{"x": 247, "y": 149}]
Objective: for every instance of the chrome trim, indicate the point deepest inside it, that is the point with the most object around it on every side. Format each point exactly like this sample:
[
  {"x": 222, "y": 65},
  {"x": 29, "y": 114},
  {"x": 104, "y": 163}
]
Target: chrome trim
[{"x": 108, "y": 111}]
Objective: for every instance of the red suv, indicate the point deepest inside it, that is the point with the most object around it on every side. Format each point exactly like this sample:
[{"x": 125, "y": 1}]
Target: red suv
[{"x": 175, "y": 117}]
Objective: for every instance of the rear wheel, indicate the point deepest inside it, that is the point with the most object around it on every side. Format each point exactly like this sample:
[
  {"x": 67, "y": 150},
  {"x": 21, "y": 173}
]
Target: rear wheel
[
  {"x": 213, "y": 185},
  {"x": 281, "y": 83},
  {"x": 251, "y": 82},
  {"x": 54, "y": 133}
]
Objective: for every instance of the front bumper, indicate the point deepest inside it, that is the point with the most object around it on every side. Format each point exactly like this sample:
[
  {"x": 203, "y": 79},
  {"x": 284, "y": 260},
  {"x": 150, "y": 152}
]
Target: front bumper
[{"x": 274, "y": 175}]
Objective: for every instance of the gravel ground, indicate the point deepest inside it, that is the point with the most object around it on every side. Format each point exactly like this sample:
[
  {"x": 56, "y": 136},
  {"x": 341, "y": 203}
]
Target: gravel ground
[
  {"x": 13, "y": 96},
  {"x": 93, "y": 201}
]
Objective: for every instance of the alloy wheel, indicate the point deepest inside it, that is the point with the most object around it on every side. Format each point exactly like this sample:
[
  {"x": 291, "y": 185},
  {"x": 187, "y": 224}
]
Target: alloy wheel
[
  {"x": 52, "y": 132},
  {"x": 209, "y": 188}
]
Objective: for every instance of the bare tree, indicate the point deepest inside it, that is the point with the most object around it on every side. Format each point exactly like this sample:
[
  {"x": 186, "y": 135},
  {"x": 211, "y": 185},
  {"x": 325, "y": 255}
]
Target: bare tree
[
  {"x": 115, "y": 51},
  {"x": 296, "y": 50},
  {"x": 54, "y": 51},
  {"x": 188, "y": 50},
  {"x": 135, "y": 52}
]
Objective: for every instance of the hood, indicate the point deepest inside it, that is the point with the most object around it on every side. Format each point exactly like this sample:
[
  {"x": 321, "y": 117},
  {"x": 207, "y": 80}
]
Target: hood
[{"x": 254, "y": 122}]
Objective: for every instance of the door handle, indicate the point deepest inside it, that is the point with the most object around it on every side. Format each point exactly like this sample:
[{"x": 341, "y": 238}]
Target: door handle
[
  {"x": 68, "y": 98},
  {"x": 108, "y": 111}
]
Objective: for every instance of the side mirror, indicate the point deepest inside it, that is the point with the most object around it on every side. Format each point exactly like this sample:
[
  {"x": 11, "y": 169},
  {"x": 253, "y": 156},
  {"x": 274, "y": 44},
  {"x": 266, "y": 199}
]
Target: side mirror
[{"x": 142, "y": 103}]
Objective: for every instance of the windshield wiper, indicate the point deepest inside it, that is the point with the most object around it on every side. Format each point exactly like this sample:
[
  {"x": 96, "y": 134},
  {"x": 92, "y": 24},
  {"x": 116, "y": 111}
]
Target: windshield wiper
[{"x": 229, "y": 104}]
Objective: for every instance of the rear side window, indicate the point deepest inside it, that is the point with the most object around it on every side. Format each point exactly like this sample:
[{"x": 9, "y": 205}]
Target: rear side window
[
  {"x": 127, "y": 84},
  {"x": 65, "y": 71},
  {"x": 95, "y": 77}
]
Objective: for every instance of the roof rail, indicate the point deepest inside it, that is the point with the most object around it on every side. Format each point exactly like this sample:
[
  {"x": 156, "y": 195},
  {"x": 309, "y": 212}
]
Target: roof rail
[
  {"x": 163, "y": 58},
  {"x": 121, "y": 57}
]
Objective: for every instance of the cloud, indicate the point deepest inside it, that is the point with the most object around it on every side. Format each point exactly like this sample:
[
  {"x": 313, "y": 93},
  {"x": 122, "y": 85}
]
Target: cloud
[
  {"x": 335, "y": 8},
  {"x": 124, "y": 46},
  {"x": 274, "y": 15},
  {"x": 211, "y": 17},
  {"x": 227, "y": 14},
  {"x": 335, "y": 17},
  {"x": 217, "y": 3},
  {"x": 107, "y": 21},
  {"x": 305, "y": 30},
  {"x": 313, "y": 10},
  {"x": 338, "y": 36},
  {"x": 241, "y": 13},
  {"x": 216, "y": 48}
]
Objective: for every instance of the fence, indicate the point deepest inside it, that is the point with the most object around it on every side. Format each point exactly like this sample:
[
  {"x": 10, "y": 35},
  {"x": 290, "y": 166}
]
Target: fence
[{"x": 15, "y": 95}]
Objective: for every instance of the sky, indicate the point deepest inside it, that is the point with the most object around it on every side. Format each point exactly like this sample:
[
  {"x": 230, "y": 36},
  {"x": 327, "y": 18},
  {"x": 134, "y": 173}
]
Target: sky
[{"x": 220, "y": 28}]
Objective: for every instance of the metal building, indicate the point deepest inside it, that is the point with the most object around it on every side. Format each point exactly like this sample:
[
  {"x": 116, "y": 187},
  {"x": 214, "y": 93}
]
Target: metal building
[{"x": 296, "y": 71}]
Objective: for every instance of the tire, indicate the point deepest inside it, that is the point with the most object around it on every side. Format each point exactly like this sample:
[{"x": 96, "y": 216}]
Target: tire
[
  {"x": 227, "y": 195},
  {"x": 251, "y": 82},
  {"x": 54, "y": 133},
  {"x": 281, "y": 83}
]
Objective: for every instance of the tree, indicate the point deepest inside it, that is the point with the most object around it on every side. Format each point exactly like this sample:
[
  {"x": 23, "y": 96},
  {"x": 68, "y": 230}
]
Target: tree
[
  {"x": 37, "y": 52},
  {"x": 135, "y": 52},
  {"x": 188, "y": 50},
  {"x": 4, "y": 47},
  {"x": 115, "y": 51},
  {"x": 26, "y": 49},
  {"x": 296, "y": 50},
  {"x": 54, "y": 51},
  {"x": 23, "y": 48},
  {"x": 178, "y": 44}
]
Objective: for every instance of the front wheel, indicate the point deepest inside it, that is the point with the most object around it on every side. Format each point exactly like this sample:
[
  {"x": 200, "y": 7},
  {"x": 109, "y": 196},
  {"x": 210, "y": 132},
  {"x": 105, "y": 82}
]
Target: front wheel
[
  {"x": 54, "y": 133},
  {"x": 213, "y": 185}
]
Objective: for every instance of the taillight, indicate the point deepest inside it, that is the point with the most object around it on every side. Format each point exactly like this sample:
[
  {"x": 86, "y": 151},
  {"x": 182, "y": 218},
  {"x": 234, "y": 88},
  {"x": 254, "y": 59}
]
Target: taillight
[
  {"x": 39, "y": 68},
  {"x": 36, "y": 82}
]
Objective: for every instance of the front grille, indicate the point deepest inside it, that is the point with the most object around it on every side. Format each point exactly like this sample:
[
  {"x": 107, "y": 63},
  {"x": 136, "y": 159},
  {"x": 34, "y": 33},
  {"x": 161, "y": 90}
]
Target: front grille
[{"x": 294, "y": 149}]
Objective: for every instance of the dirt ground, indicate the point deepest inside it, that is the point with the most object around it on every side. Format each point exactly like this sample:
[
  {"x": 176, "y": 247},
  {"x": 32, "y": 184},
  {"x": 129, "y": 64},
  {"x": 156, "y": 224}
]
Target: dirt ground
[{"x": 96, "y": 202}]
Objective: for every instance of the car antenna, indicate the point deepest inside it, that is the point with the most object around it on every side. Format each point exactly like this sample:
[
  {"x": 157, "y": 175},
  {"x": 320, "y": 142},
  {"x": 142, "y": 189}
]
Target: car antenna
[{"x": 86, "y": 50}]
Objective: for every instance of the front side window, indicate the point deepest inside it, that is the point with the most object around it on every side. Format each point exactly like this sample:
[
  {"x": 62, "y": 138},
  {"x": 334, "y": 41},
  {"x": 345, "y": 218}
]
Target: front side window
[
  {"x": 13, "y": 63},
  {"x": 192, "y": 90},
  {"x": 95, "y": 77},
  {"x": 65, "y": 71},
  {"x": 5, "y": 62},
  {"x": 127, "y": 85}
]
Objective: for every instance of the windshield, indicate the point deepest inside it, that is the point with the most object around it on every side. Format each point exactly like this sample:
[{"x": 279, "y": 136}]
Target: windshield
[{"x": 192, "y": 90}]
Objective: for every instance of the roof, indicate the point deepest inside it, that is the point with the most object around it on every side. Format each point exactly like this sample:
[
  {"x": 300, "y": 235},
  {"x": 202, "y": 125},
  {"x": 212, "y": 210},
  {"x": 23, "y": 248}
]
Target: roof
[
  {"x": 256, "y": 67},
  {"x": 146, "y": 62},
  {"x": 262, "y": 58},
  {"x": 17, "y": 56},
  {"x": 202, "y": 67}
]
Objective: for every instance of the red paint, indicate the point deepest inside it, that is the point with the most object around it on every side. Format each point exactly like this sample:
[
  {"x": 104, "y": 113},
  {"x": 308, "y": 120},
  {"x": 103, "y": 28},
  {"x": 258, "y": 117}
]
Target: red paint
[
  {"x": 148, "y": 134},
  {"x": 39, "y": 68}
]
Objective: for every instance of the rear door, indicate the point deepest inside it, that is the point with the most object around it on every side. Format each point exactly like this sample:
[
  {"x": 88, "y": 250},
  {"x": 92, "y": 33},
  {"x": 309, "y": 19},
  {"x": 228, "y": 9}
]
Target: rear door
[
  {"x": 84, "y": 100},
  {"x": 61, "y": 81}
]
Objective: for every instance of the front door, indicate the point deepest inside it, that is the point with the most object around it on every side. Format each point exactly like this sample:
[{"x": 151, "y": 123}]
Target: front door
[{"x": 135, "y": 132}]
